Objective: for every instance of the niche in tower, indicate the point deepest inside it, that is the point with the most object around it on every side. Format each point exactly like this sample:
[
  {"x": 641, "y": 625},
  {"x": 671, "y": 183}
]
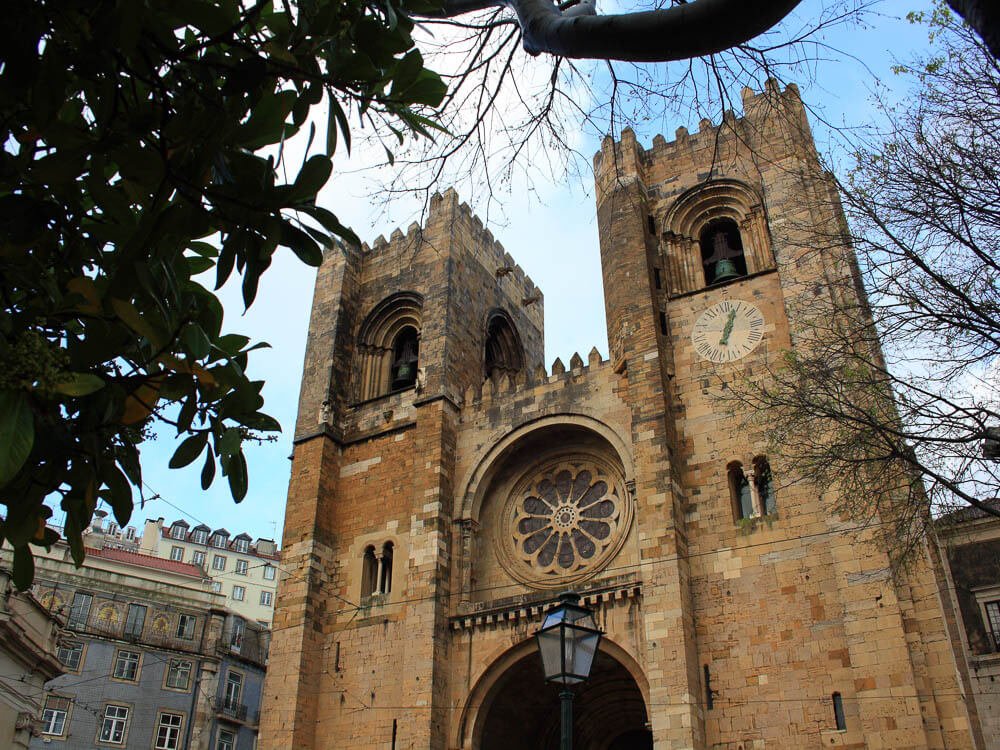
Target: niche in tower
[
  {"x": 389, "y": 346},
  {"x": 503, "y": 353},
  {"x": 714, "y": 233}
]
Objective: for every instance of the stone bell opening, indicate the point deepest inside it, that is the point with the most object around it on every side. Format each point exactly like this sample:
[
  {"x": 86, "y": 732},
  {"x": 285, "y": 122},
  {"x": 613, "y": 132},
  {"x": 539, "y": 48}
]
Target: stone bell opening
[{"x": 521, "y": 711}]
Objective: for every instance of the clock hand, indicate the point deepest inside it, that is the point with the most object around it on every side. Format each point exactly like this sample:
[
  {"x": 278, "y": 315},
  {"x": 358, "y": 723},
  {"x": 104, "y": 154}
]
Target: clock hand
[{"x": 728, "y": 329}]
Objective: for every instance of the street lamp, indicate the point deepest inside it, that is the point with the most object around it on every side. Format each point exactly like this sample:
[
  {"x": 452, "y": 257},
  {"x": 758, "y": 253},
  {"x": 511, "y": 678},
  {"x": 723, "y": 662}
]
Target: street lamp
[{"x": 568, "y": 641}]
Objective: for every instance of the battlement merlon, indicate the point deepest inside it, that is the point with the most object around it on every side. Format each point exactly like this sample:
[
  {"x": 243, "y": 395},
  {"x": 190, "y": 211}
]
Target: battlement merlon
[
  {"x": 772, "y": 116},
  {"x": 446, "y": 212},
  {"x": 537, "y": 381}
]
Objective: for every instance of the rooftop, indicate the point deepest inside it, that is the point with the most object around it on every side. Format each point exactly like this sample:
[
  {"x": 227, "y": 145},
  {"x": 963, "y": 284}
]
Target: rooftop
[{"x": 146, "y": 561}]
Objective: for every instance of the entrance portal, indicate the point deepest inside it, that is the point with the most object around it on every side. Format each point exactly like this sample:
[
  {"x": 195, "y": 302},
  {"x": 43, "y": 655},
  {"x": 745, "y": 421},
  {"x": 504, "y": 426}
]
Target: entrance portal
[{"x": 521, "y": 711}]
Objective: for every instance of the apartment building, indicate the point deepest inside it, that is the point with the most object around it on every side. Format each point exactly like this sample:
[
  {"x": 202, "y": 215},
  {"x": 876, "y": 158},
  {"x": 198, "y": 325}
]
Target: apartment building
[
  {"x": 243, "y": 570},
  {"x": 152, "y": 657}
]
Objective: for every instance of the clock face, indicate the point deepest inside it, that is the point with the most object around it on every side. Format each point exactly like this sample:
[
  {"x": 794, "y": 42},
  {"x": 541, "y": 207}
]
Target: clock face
[{"x": 727, "y": 331}]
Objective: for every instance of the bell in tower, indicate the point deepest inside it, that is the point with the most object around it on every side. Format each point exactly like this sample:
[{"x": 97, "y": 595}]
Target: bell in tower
[
  {"x": 405, "y": 351},
  {"x": 722, "y": 252}
]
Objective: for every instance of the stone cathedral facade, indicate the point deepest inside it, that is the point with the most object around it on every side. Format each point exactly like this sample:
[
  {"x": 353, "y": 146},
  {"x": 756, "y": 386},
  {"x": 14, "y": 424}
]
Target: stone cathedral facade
[{"x": 445, "y": 487}]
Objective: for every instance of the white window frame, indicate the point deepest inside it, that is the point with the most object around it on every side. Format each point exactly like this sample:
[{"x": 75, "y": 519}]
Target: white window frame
[
  {"x": 266, "y": 597},
  {"x": 178, "y": 667},
  {"x": 185, "y": 626},
  {"x": 239, "y": 593},
  {"x": 114, "y": 723},
  {"x": 234, "y": 690},
  {"x": 242, "y": 566},
  {"x": 241, "y": 545},
  {"x": 269, "y": 572},
  {"x": 130, "y": 629},
  {"x": 178, "y": 532},
  {"x": 72, "y": 647},
  {"x": 198, "y": 557},
  {"x": 217, "y": 586},
  {"x": 225, "y": 744},
  {"x": 124, "y": 657},
  {"x": 75, "y": 620},
  {"x": 199, "y": 536},
  {"x": 52, "y": 715},
  {"x": 216, "y": 565},
  {"x": 219, "y": 541},
  {"x": 236, "y": 633},
  {"x": 168, "y": 731},
  {"x": 177, "y": 553}
]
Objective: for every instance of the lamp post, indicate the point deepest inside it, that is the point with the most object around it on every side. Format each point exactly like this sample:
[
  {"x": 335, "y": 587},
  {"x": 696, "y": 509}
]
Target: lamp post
[{"x": 568, "y": 641}]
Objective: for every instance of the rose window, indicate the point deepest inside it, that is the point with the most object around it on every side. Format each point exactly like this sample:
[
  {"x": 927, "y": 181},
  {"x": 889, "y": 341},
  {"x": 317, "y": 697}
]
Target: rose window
[{"x": 565, "y": 522}]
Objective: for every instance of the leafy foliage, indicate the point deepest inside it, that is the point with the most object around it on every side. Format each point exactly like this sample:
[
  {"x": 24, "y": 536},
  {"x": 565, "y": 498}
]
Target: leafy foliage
[{"x": 131, "y": 165}]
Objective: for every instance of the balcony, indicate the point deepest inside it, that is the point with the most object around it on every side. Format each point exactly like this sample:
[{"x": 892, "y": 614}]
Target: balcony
[
  {"x": 251, "y": 646},
  {"x": 236, "y": 712}
]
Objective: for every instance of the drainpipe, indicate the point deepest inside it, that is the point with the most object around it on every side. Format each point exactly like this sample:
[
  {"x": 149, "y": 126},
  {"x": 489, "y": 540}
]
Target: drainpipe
[{"x": 195, "y": 689}]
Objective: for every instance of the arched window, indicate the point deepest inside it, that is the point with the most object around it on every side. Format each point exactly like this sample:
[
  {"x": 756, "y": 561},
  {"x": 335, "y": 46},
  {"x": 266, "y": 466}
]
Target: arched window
[
  {"x": 764, "y": 483},
  {"x": 503, "y": 353},
  {"x": 369, "y": 575},
  {"x": 389, "y": 346},
  {"x": 385, "y": 582},
  {"x": 722, "y": 251},
  {"x": 715, "y": 232},
  {"x": 739, "y": 489}
]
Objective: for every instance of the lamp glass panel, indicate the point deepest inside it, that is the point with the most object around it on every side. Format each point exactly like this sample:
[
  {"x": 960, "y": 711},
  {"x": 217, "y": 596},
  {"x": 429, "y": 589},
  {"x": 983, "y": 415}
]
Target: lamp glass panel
[
  {"x": 583, "y": 654},
  {"x": 549, "y": 646}
]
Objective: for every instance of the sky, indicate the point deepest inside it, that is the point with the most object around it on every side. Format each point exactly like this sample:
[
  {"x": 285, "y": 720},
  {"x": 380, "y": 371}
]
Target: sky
[{"x": 550, "y": 230}]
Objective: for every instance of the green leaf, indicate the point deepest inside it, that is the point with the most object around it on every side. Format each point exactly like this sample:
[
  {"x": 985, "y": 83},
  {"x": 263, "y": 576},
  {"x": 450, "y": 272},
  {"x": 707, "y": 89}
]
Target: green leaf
[
  {"x": 74, "y": 537},
  {"x": 17, "y": 433},
  {"x": 208, "y": 470},
  {"x": 195, "y": 341},
  {"x": 238, "y": 477},
  {"x": 24, "y": 568},
  {"x": 311, "y": 178},
  {"x": 232, "y": 343},
  {"x": 301, "y": 244},
  {"x": 79, "y": 384},
  {"x": 337, "y": 118},
  {"x": 189, "y": 450},
  {"x": 119, "y": 494},
  {"x": 229, "y": 444}
]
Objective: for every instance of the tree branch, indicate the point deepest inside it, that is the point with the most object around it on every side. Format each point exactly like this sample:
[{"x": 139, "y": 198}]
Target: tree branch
[{"x": 680, "y": 32}]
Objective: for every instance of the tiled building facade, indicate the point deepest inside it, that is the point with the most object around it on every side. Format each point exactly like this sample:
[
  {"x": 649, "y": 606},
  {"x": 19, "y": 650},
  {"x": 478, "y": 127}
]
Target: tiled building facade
[
  {"x": 445, "y": 487},
  {"x": 151, "y": 657}
]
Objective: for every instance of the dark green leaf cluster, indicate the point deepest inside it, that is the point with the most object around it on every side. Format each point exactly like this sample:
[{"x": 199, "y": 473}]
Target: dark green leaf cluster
[{"x": 130, "y": 166}]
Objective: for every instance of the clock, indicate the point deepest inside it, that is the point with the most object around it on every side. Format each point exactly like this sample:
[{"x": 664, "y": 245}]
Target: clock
[{"x": 727, "y": 331}]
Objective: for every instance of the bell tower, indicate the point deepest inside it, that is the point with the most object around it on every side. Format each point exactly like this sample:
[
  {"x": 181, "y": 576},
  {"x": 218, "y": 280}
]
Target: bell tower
[
  {"x": 399, "y": 331},
  {"x": 713, "y": 246}
]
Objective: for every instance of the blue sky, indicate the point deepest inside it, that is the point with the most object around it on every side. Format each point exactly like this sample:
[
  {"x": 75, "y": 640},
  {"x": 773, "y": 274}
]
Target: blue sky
[{"x": 551, "y": 232}]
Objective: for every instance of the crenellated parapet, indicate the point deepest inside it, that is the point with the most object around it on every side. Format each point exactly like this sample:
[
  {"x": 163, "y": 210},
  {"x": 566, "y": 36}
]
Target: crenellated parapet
[
  {"x": 773, "y": 114},
  {"x": 536, "y": 382},
  {"x": 451, "y": 228}
]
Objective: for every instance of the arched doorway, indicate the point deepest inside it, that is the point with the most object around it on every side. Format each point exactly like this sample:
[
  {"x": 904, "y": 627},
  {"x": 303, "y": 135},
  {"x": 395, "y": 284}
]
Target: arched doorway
[{"x": 521, "y": 712}]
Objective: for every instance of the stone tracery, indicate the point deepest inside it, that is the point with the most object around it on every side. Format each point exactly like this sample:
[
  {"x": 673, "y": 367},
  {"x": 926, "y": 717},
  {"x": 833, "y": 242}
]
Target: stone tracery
[{"x": 564, "y": 521}]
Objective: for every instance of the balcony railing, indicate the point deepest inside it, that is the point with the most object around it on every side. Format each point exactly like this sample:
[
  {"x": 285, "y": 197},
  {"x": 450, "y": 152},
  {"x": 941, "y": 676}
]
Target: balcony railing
[
  {"x": 148, "y": 636},
  {"x": 251, "y": 646},
  {"x": 235, "y": 711}
]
